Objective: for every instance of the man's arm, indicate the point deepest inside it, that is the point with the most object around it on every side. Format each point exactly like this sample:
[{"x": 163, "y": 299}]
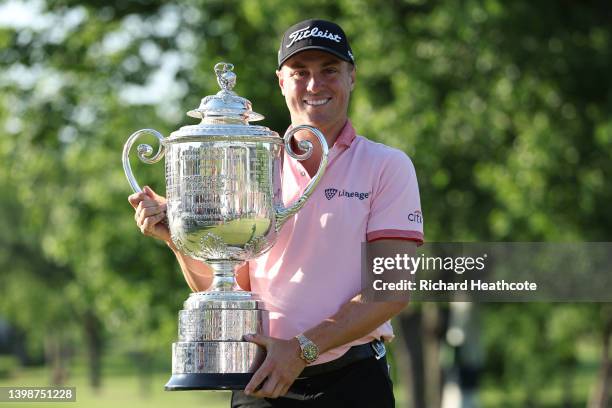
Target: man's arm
[
  {"x": 355, "y": 319},
  {"x": 197, "y": 274}
]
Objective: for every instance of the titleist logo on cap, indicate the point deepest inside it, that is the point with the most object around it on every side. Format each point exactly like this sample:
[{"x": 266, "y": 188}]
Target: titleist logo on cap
[
  {"x": 303, "y": 33},
  {"x": 315, "y": 34}
]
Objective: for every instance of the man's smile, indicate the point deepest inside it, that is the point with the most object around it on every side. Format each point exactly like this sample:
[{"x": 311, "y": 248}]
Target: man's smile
[{"x": 316, "y": 102}]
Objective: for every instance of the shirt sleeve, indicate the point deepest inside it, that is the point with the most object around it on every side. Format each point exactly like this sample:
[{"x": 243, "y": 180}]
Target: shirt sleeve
[{"x": 395, "y": 212}]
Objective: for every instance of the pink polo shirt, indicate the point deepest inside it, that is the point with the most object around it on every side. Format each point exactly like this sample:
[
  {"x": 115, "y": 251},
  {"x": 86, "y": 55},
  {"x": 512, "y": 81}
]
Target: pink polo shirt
[{"x": 369, "y": 191}]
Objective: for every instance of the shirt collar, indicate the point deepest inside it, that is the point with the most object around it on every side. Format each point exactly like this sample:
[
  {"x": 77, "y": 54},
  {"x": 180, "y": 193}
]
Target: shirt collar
[{"x": 347, "y": 135}]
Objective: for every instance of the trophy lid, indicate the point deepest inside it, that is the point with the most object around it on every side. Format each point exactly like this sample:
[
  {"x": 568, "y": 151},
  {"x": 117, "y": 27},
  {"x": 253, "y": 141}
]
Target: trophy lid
[
  {"x": 226, "y": 106},
  {"x": 225, "y": 116}
]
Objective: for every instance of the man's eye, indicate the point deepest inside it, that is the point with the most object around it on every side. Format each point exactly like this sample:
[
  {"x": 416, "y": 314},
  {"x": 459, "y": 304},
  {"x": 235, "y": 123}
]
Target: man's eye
[
  {"x": 331, "y": 70},
  {"x": 300, "y": 74}
]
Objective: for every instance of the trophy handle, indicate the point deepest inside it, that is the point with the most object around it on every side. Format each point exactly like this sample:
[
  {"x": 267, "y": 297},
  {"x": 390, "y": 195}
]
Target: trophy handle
[
  {"x": 144, "y": 153},
  {"x": 282, "y": 213}
]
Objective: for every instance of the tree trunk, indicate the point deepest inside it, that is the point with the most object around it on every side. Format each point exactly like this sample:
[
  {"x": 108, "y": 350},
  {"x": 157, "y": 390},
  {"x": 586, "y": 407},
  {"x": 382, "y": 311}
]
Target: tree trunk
[
  {"x": 143, "y": 361},
  {"x": 409, "y": 352},
  {"x": 94, "y": 343},
  {"x": 568, "y": 386},
  {"x": 601, "y": 393},
  {"x": 432, "y": 324},
  {"x": 57, "y": 357},
  {"x": 418, "y": 355},
  {"x": 463, "y": 337}
]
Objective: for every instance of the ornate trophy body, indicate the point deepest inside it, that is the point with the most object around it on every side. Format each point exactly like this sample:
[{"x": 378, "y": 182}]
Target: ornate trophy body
[{"x": 224, "y": 207}]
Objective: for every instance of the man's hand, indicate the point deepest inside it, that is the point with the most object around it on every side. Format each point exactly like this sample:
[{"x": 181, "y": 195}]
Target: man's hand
[
  {"x": 150, "y": 211},
  {"x": 280, "y": 368}
]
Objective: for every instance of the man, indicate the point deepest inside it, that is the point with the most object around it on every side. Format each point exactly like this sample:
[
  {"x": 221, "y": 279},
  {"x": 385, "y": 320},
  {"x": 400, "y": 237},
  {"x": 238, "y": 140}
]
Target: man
[{"x": 325, "y": 346}]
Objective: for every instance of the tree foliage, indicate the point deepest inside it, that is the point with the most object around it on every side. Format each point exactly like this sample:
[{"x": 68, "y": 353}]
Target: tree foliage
[{"x": 504, "y": 108}]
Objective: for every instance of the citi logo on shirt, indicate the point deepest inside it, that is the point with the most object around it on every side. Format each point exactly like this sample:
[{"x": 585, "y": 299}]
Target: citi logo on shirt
[
  {"x": 331, "y": 193},
  {"x": 416, "y": 216}
]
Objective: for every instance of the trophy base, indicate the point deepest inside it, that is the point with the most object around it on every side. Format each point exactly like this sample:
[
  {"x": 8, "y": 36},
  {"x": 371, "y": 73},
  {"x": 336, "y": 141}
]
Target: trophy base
[{"x": 207, "y": 381}]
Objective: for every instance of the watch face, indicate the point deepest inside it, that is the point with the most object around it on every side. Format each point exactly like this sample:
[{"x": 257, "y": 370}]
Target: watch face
[{"x": 310, "y": 352}]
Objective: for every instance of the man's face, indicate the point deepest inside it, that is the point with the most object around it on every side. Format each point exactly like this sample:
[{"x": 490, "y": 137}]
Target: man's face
[{"x": 317, "y": 86}]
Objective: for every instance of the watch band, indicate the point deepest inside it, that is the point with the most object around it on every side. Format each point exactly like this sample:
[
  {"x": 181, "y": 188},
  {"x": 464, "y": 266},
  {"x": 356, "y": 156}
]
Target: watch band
[{"x": 310, "y": 351}]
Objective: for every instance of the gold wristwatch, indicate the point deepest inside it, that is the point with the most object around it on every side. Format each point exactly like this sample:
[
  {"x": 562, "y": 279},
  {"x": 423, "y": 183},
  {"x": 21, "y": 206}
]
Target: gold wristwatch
[{"x": 310, "y": 351}]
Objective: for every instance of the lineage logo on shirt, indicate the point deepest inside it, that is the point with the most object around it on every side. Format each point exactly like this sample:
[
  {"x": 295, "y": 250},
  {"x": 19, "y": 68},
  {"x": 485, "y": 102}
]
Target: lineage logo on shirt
[{"x": 331, "y": 193}]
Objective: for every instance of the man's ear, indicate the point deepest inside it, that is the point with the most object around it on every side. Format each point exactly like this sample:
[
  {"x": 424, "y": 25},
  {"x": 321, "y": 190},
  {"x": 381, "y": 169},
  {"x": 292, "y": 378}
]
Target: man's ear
[
  {"x": 279, "y": 75},
  {"x": 353, "y": 76}
]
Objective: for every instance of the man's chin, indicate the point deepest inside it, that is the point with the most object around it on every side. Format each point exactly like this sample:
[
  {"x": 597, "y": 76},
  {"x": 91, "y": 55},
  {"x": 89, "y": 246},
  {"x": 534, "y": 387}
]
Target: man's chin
[{"x": 312, "y": 121}]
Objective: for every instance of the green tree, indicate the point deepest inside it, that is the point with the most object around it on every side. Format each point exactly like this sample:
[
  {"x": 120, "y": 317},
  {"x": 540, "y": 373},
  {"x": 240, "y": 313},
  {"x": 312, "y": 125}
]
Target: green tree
[{"x": 503, "y": 107}]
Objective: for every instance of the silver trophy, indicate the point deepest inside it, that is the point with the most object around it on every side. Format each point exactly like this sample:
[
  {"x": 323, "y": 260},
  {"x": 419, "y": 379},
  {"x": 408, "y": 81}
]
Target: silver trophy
[{"x": 224, "y": 207}]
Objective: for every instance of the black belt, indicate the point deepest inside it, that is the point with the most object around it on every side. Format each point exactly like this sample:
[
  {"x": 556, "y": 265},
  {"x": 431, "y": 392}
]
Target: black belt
[{"x": 375, "y": 348}]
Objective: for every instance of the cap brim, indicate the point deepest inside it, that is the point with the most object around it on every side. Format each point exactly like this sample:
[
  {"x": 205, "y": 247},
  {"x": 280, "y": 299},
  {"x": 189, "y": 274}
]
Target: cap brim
[{"x": 315, "y": 47}]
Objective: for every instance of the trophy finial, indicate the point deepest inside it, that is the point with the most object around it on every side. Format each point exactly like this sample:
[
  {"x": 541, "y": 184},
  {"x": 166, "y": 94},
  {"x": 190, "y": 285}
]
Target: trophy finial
[
  {"x": 225, "y": 106},
  {"x": 225, "y": 77}
]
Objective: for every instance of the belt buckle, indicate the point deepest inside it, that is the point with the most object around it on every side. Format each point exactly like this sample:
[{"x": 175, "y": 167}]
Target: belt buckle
[{"x": 379, "y": 349}]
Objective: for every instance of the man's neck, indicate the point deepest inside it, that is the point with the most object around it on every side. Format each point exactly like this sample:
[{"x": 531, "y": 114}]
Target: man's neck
[{"x": 331, "y": 133}]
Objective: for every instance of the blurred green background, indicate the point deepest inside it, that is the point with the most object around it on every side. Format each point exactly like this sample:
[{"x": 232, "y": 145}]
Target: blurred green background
[{"x": 504, "y": 107}]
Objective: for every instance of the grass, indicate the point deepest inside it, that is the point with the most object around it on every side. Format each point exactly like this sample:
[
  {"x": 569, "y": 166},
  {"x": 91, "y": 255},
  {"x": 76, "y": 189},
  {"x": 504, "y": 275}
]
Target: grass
[
  {"x": 121, "y": 387},
  {"x": 123, "y": 390},
  {"x": 118, "y": 391}
]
